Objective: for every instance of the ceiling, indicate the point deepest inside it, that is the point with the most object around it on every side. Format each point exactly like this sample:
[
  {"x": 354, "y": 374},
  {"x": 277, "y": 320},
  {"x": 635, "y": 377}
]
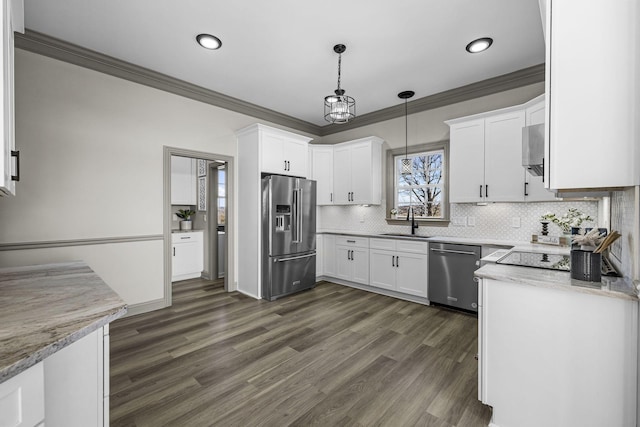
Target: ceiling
[{"x": 278, "y": 54}]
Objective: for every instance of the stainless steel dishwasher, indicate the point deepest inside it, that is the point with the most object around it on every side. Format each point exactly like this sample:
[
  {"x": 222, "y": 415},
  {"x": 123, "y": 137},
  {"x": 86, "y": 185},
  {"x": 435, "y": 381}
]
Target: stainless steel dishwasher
[{"x": 451, "y": 268}]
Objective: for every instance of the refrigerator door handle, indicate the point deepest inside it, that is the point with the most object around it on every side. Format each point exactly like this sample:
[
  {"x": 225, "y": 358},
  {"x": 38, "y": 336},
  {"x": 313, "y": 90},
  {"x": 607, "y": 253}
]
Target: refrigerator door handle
[
  {"x": 294, "y": 257},
  {"x": 297, "y": 217}
]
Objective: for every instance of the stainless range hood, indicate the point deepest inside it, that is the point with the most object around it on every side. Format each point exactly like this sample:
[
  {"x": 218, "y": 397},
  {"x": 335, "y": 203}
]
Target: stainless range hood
[{"x": 533, "y": 149}]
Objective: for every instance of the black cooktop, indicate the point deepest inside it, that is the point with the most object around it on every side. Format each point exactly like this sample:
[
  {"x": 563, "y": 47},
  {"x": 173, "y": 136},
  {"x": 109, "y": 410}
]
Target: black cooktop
[{"x": 537, "y": 260}]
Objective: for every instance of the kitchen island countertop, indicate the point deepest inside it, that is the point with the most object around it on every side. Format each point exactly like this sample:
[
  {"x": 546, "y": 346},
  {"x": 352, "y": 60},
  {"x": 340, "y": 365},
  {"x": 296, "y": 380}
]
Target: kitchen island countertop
[
  {"x": 45, "y": 308},
  {"x": 614, "y": 287}
]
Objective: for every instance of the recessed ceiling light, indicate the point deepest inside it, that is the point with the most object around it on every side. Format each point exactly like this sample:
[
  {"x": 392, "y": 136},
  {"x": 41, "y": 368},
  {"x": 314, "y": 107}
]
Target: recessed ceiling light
[
  {"x": 208, "y": 41},
  {"x": 479, "y": 45}
]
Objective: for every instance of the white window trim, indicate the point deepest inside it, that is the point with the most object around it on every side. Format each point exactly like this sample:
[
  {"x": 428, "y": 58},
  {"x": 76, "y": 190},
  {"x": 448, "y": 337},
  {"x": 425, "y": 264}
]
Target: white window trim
[{"x": 391, "y": 180}]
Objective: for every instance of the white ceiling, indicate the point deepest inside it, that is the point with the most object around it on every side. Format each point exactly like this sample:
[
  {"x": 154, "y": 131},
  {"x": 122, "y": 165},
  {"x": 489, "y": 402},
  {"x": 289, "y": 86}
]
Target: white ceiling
[{"x": 278, "y": 54}]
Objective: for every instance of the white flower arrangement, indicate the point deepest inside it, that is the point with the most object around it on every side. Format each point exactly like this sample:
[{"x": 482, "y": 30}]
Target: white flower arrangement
[{"x": 573, "y": 218}]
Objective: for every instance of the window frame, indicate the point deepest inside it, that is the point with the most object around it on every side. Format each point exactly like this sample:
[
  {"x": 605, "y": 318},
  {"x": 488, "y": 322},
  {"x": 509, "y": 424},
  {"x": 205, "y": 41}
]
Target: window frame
[{"x": 391, "y": 191}]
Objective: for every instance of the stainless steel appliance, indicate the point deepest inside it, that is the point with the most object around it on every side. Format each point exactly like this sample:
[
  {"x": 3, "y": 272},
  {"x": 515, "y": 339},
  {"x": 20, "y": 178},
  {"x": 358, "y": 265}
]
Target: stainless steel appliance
[
  {"x": 288, "y": 235},
  {"x": 451, "y": 268}
]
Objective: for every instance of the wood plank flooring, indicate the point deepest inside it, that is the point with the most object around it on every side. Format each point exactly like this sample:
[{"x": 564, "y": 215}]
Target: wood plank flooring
[{"x": 332, "y": 356}]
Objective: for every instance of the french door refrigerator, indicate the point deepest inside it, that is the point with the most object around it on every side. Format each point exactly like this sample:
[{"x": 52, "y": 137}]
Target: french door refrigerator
[{"x": 288, "y": 235}]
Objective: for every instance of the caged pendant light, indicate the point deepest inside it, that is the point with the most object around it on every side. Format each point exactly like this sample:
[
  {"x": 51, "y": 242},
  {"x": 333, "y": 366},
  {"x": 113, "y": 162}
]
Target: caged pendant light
[
  {"x": 339, "y": 108},
  {"x": 406, "y": 162}
]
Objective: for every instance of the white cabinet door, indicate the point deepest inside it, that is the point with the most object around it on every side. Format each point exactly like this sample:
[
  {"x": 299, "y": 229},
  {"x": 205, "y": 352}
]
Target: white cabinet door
[
  {"x": 183, "y": 181},
  {"x": 599, "y": 125},
  {"x": 22, "y": 398},
  {"x": 12, "y": 20},
  {"x": 329, "y": 256},
  {"x": 360, "y": 262},
  {"x": 503, "y": 177},
  {"x": 342, "y": 175},
  {"x": 362, "y": 174},
  {"x": 412, "y": 274},
  {"x": 382, "y": 269},
  {"x": 466, "y": 177},
  {"x": 344, "y": 267},
  {"x": 187, "y": 256},
  {"x": 296, "y": 157},
  {"x": 272, "y": 154},
  {"x": 322, "y": 173}
]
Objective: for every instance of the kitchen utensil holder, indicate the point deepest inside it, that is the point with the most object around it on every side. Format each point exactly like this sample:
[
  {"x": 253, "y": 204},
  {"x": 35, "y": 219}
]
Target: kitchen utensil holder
[{"x": 586, "y": 265}]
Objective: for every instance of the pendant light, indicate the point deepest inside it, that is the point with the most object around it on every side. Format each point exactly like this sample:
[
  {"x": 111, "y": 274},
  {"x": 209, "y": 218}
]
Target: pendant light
[
  {"x": 406, "y": 162},
  {"x": 339, "y": 108}
]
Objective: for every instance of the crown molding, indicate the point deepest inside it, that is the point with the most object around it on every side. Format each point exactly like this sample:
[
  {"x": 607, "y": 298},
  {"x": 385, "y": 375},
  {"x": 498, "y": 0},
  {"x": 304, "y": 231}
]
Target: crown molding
[
  {"x": 42, "y": 44},
  {"x": 58, "y": 49},
  {"x": 516, "y": 79}
]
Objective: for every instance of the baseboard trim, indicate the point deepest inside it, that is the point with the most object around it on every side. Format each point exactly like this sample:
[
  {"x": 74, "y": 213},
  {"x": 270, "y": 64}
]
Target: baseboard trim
[
  {"x": 386, "y": 292},
  {"x": 145, "y": 307}
]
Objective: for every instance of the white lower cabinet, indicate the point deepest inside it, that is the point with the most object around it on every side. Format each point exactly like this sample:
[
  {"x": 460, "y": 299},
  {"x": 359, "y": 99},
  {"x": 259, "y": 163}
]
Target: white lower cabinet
[
  {"x": 573, "y": 354},
  {"x": 187, "y": 255},
  {"x": 22, "y": 398},
  {"x": 399, "y": 265},
  {"x": 352, "y": 259}
]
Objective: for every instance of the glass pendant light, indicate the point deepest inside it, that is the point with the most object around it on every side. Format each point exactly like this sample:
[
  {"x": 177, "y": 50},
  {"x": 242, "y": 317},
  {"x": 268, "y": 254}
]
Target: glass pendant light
[
  {"x": 406, "y": 162},
  {"x": 339, "y": 108}
]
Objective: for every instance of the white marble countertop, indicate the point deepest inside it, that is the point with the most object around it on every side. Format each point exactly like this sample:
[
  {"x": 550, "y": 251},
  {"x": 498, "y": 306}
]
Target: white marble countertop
[
  {"x": 185, "y": 231},
  {"x": 45, "y": 308},
  {"x": 614, "y": 287},
  {"x": 446, "y": 239}
]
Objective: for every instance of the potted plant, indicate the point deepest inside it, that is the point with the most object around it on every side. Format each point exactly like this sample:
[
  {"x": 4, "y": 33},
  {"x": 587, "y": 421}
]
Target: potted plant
[{"x": 185, "y": 216}]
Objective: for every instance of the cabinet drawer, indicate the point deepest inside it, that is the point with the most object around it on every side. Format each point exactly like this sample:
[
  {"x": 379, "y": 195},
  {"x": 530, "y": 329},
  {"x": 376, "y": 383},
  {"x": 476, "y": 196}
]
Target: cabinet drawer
[
  {"x": 358, "y": 242},
  {"x": 411, "y": 246},
  {"x": 385, "y": 244},
  {"x": 195, "y": 236}
]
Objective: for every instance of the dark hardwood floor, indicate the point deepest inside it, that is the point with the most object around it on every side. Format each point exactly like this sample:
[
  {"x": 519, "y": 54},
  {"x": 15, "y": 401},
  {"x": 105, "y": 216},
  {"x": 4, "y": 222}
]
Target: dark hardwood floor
[{"x": 332, "y": 356}]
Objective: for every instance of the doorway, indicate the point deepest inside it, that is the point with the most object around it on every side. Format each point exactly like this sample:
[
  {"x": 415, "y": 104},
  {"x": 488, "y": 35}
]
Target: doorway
[{"x": 213, "y": 176}]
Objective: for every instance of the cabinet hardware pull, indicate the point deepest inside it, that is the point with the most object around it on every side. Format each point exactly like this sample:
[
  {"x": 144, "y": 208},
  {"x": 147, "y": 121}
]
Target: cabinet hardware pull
[
  {"x": 331, "y": 197},
  {"x": 525, "y": 189},
  {"x": 543, "y": 169},
  {"x": 174, "y": 251},
  {"x": 351, "y": 241},
  {"x": 397, "y": 261},
  {"x": 16, "y": 154},
  {"x": 486, "y": 190},
  {"x": 393, "y": 261},
  {"x": 480, "y": 190},
  {"x": 285, "y": 165},
  {"x": 185, "y": 238}
]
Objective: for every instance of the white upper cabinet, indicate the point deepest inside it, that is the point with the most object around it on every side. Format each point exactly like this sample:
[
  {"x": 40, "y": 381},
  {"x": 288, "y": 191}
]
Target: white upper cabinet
[
  {"x": 593, "y": 97},
  {"x": 357, "y": 172},
  {"x": 283, "y": 153},
  {"x": 486, "y": 158},
  {"x": 183, "y": 181},
  {"x": 322, "y": 172},
  {"x": 12, "y": 20}
]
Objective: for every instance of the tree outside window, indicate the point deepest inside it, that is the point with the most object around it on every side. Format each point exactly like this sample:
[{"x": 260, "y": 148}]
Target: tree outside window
[{"x": 422, "y": 189}]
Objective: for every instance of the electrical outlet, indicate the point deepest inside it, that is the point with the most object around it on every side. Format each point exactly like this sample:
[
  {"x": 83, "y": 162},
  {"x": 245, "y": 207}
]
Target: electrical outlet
[
  {"x": 515, "y": 222},
  {"x": 459, "y": 221},
  {"x": 175, "y": 217},
  {"x": 204, "y": 217},
  {"x": 471, "y": 221},
  {"x": 362, "y": 218}
]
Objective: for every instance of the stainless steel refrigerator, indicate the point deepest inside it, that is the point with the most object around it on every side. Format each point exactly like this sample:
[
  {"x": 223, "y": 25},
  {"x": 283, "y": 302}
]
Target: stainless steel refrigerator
[{"x": 288, "y": 235}]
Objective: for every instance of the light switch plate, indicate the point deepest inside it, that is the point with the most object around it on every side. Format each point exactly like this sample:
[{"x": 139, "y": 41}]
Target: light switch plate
[
  {"x": 515, "y": 222},
  {"x": 459, "y": 221},
  {"x": 471, "y": 221}
]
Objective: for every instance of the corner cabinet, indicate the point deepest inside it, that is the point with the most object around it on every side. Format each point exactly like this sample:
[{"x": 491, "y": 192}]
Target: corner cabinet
[
  {"x": 593, "y": 99},
  {"x": 12, "y": 20},
  {"x": 357, "y": 172},
  {"x": 262, "y": 150}
]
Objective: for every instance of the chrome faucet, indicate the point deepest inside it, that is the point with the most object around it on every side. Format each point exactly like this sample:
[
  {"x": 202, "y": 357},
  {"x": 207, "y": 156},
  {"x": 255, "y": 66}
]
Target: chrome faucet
[{"x": 414, "y": 224}]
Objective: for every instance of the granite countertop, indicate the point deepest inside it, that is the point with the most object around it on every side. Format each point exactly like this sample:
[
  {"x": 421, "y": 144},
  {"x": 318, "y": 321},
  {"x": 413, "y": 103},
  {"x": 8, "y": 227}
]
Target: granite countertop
[
  {"x": 614, "y": 287},
  {"x": 45, "y": 308}
]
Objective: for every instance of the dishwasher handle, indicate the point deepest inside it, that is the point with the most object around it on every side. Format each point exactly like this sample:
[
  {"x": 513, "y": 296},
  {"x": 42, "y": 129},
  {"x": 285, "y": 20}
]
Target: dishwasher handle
[{"x": 449, "y": 251}]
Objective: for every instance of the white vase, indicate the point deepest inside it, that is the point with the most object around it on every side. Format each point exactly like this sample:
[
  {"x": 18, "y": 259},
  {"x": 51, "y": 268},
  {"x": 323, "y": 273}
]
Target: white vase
[{"x": 186, "y": 225}]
